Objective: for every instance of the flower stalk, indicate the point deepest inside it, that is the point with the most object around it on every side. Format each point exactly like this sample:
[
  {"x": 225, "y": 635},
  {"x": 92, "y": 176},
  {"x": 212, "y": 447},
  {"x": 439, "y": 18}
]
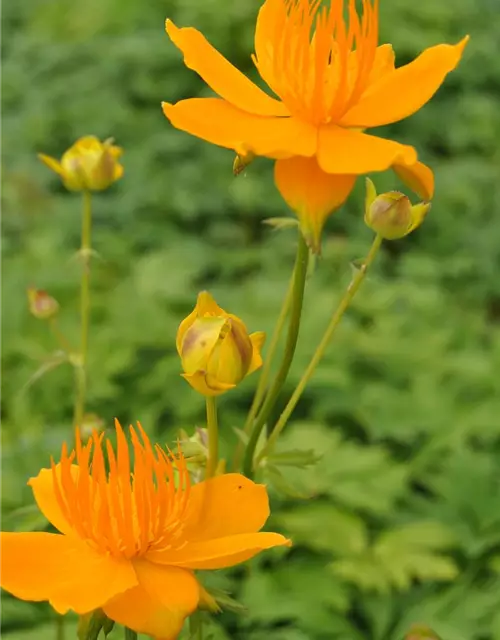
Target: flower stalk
[
  {"x": 299, "y": 282},
  {"x": 351, "y": 291},
  {"x": 213, "y": 437},
  {"x": 264, "y": 376},
  {"x": 85, "y": 253}
]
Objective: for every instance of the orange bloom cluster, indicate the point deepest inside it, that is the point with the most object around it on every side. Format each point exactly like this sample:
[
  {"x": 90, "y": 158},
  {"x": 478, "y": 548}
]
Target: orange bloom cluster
[
  {"x": 333, "y": 81},
  {"x": 131, "y": 537}
]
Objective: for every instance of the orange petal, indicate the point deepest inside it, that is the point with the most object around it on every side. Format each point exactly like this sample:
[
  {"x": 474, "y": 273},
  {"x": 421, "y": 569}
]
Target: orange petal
[
  {"x": 219, "y": 553},
  {"x": 419, "y": 177},
  {"x": 399, "y": 94},
  {"x": 266, "y": 29},
  {"x": 43, "y": 490},
  {"x": 65, "y": 571},
  {"x": 257, "y": 339},
  {"x": 346, "y": 151},
  {"x": 161, "y": 602},
  {"x": 382, "y": 64},
  {"x": 311, "y": 193},
  {"x": 218, "y": 122},
  {"x": 220, "y": 75},
  {"x": 224, "y": 506}
]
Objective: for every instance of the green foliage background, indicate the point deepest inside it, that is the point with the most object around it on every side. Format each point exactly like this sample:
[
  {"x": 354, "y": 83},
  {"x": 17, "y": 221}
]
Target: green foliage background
[{"x": 401, "y": 517}]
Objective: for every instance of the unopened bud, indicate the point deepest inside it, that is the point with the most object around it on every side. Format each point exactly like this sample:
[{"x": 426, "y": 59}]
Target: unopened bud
[
  {"x": 91, "y": 624},
  {"x": 91, "y": 422},
  {"x": 89, "y": 164},
  {"x": 215, "y": 348},
  {"x": 41, "y": 304},
  {"x": 242, "y": 161},
  {"x": 391, "y": 215}
]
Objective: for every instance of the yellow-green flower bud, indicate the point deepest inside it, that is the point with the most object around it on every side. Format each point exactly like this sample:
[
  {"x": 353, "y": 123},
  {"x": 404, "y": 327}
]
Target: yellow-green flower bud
[
  {"x": 88, "y": 165},
  {"x": 91, "y": 422},
  {"x": 391, "y": 214},
  {"x": 215, "y": 348},
  {"x": 41, "y": 304}
]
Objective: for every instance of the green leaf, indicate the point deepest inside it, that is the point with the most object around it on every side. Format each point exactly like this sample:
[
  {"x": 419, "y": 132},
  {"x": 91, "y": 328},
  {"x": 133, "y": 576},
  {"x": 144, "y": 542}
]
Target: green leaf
[
  {"x": 301, "y": 592},
  {"x": 294, "y": 458},
  {"x": 281, "y": 223},
  {"x": 323, "y": 527},
  {"x": 400, "y": 556},
  {"x": 357, "y": 476},
  {"x": 278, "y": 481},
  {"x": 28, "y": 518}
]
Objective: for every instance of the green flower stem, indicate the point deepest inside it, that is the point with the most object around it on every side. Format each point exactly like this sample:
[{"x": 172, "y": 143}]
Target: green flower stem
[
  {"x": 60, "y": 627},
  {"x": 299, "y": 282},
  {"x": 320, "y": 351},
  {"x": 265, "y": 372},
  {"x": 213, "y": 437},
  {"x": 196, "y": 626},
  {"x": 129, "y": 634},
  {"x": 81, "y": 365}
]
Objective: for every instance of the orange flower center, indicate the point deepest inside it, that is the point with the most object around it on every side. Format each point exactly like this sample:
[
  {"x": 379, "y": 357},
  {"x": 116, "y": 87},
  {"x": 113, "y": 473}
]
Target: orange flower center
[
  {"x": 319, "y": 55},
  {"x": 128, "y": 509}
]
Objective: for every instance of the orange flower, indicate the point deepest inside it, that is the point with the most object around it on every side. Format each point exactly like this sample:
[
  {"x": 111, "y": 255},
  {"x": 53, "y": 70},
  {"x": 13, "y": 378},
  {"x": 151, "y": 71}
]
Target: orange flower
[
  {"x": 333, "y": 82},
  {"x": 132, "y": 537}
]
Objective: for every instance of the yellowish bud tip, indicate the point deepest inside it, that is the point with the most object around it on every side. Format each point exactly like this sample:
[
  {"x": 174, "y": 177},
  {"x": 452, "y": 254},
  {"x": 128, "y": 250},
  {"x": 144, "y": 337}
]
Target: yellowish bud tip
[
  {"x": 391, "y": 215},
  {"x": 41, "y": 304},
  {"x": 242, "y": 161},
  {"x": 207, "y": 601}
]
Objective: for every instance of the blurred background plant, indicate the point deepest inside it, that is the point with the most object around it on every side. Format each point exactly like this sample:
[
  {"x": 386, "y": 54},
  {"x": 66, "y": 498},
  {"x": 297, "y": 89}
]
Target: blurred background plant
[{"x": 399, "y": 522}]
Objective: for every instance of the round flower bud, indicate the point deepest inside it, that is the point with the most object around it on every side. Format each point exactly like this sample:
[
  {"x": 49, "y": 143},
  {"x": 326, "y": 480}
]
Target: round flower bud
[
  {"x": 215, "y": 348},
  {"x": 391, "y": 215},
  {"x": 88, "y": 165},
  {"x": 41, "y": 304}
]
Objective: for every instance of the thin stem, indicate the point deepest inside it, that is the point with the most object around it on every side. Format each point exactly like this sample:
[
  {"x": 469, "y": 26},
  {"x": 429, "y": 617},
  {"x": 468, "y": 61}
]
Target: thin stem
[
  {"x": 85, "y": 252},
  {"x": 213, "y": 437},
  {"x": 320, "y": 351},
  {"x": 60, "y": 627},
  {"x": 59, "y": 335},
  {"x": 299, "y": 282},
  {"x": 130, "y": 634},
  {"x": 265, "y": 372}
]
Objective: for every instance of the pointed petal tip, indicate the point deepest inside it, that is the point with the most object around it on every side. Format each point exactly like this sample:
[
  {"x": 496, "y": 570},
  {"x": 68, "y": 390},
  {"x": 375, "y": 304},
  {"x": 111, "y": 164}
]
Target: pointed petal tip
[{"x": 463, "y": 43}]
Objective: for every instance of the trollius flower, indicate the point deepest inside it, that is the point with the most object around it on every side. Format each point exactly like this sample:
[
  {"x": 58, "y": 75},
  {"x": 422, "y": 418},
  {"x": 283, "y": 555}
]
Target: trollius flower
[
  {"x": 333, "y": 81},
  {"x": 88, "y": 164},
  {"x": 131, "y": 537},
  {"x": 216, "y": 350}
]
